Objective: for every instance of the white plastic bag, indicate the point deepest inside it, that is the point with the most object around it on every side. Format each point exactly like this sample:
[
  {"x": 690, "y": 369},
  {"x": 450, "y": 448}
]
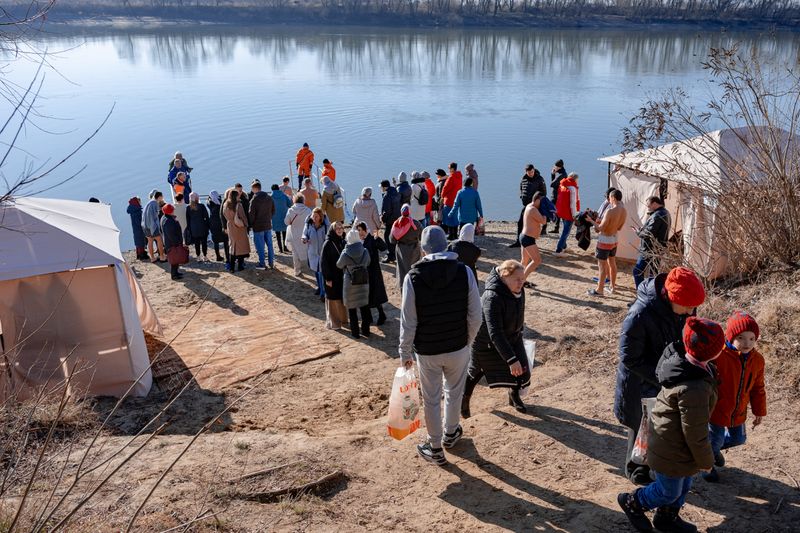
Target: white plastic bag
[
  {"x": 639, "y": 453},
  {"x": 405, "y": 404},
  {"x": 530, "y": 349}
]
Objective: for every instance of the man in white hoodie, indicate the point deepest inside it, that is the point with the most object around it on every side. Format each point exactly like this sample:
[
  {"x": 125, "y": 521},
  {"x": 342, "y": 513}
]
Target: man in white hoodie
[{"x": 419, "y": 198}]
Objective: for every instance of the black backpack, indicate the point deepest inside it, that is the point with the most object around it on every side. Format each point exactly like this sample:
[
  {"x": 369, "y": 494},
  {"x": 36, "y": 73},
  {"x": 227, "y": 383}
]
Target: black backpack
[
  {"x": 359, "y": 275},
  {"x": 423, "y": 196}
]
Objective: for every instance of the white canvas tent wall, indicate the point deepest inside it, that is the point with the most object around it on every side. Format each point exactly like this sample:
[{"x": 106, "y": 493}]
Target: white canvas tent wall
[
  {"x": 69, "y": 305},
  {"x": 690, "y": 169}
]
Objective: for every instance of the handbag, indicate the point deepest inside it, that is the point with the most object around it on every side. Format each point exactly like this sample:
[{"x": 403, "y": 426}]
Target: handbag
[{"x": 178, "y": 255}]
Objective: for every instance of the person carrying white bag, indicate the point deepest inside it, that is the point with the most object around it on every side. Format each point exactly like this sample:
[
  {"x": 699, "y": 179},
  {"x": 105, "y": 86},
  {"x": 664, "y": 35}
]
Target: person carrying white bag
[
  {"x": 405, "y": 404},
  {"x": 440, "y": 296}
]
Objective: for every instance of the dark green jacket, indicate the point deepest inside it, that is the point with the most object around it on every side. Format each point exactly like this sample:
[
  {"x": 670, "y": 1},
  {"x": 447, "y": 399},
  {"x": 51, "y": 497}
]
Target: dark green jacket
[{"x": 678, "y": 444}]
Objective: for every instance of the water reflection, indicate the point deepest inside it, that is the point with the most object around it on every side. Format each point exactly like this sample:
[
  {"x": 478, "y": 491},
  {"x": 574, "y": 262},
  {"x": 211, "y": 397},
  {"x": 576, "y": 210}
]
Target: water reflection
[{"x": 443, "y": 54}]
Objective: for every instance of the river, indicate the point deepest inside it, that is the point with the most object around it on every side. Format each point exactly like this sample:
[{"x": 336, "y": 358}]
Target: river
[{"x": 238, "y": 102}]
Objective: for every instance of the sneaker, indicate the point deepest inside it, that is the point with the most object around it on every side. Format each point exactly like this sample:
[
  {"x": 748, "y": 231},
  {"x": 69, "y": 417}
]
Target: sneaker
[
  {"x": 261, "y": 265},
  {"x": 635, "y": 513},
  {"x": 450, "y": 439},
  {"x": 719, "y": 459},
  {"x": 559, "y": 254},
  {"x": 432, "y": 455}
]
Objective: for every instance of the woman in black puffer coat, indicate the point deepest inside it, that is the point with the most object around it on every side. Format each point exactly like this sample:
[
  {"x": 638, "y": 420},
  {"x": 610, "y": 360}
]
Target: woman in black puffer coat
[{"x": 498, "y": 351}]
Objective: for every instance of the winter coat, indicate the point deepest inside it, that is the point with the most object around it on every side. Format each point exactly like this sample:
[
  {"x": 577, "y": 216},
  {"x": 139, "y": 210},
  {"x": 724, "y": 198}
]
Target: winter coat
[
  {"x": 262, "y": 209},
  {"x": 215, "y": 222},
  {"x": 197, "y": 221},
  {"x": 529, "y": 186},
  {"x": 547, "y": 209},
  {"x": 647, "y": 329},
  {"x": 328, "y": 170},
  {"x": 172, "y": 179},
  {"x": 377, "y": 289},
  {"x": 331, "y": 250},
  {"x": 555, "y": 181},
  {"x": 568, "y": 203},
  {"x": 431, "y": 193},
  {"x": 499, "y": 341},
  {"x": 310, "y": 197},
  {"x": 467, "y": 252},
  {"x": 679, "y": 445},
  {"x": 408, "y": 252},
  {"x": 655, "y": 232},
  {"x": 171, "y": 229},
  {"x": 390, "y": 206},
  {"x": 315, "y": 237},
  {"x": 150, "y": 222},
  {"x": 404, "y": 190},
  {"x": 282, "y": 204},
  {"x": 135, "y": 212},
  {"x": 295, "y": 219},
  {"x": 741, "y": 382},
  {"x": 354, "y": 255},
  {"x": 239, "y": 241},
  {"x": 467, "y": 206},
  {"x": 453, "y": 184},
  {"x": 366, "y": 210},
  {"x": 417, "y": 209},
  {"x": 333, "y": 213},
  {"x": 583, "y": 229},
  {"x": 304, "y": 160}
]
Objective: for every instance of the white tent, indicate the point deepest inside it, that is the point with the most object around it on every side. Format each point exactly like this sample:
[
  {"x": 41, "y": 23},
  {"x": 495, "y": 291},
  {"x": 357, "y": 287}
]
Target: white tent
[
  {"x": 686, "y": 173},
  {"x": 69, "y": 305}
]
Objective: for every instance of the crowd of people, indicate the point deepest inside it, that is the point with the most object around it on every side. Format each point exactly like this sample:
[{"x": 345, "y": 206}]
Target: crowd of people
[{"x": 703, "y": 377}]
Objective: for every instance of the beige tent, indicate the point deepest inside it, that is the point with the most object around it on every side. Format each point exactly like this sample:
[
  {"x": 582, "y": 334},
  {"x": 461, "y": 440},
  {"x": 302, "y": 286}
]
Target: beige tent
[
  {"x": 69, "y": 305},
  {"x": 685, "y": 173}
]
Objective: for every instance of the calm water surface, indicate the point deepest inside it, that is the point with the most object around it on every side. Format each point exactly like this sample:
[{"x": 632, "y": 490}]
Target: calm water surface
[{"x": 239, "y": 102}]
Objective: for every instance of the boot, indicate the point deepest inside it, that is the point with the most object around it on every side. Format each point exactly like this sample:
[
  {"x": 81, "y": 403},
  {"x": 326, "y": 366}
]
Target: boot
[
  {"x": 381, "y": 316},
  {"x": 515, "y": 401},
  {"x": 634, "y": 511},
  {"x": 354, "y": 329},
  {"x": 365, "y": 328},
  {"x": 469, "y": 388},
  {"x": 667, "y": 519}
]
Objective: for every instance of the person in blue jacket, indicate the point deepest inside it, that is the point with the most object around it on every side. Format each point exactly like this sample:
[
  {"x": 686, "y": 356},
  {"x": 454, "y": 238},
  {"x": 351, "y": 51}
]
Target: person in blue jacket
[
  {"x": 282, "y": 205},
  {"x": 467, "y": 207},
  {"x": 139, "y": 240}
]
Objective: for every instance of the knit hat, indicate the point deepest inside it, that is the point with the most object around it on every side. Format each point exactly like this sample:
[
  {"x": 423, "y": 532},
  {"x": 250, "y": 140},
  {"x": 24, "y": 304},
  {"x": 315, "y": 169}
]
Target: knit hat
[
  {"x": 433, "y": 240},
  {"x": 703, "y": 338},
  {"x": 426, "y": 174},
  {"x": 738, "y": 323},
  {"x": 168, "y": 209},
  {"x": 194, "y": 197},
  {"x": 402, "y": 177},
  {"x": 405, "y": 211},
  {"x": 440, "y": 172},
  {"x": 684, "y": 287},
  {"x": 353, "y": 236}
]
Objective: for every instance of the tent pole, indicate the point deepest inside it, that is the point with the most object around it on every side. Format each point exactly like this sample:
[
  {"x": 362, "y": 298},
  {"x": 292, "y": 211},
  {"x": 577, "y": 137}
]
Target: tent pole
[{"x": 608, "y": 176}]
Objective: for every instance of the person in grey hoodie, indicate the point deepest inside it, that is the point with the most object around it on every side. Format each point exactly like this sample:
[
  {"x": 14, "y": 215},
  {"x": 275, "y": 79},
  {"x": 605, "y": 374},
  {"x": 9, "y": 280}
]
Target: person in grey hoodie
[
  {"x": 354, "y": 262},
  {"x": 440, "y": 297},
  {"x": 152, "y": 227}
]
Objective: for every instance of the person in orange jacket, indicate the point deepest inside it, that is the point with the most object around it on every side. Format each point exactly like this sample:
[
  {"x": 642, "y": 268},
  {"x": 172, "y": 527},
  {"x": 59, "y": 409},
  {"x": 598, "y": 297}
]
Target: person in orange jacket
[
  {"x": 452, "y": 185},
  {"x": 740, "y": 371},
  {"x": 328, "y": 170},
  {"x": 303, "y": 163}
]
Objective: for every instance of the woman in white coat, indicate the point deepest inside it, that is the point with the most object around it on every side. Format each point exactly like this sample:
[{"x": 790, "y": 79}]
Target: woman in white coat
[
  {"x": 365, "y": 210},
  {"x": 295, "y": 219}
]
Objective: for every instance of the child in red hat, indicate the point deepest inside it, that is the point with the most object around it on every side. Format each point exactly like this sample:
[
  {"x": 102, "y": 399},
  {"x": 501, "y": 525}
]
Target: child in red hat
[{"x": 741, "y": 382}]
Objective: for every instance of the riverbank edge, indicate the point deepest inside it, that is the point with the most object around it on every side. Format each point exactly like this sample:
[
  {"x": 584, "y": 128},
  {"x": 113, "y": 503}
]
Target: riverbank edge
[{"x": 153, "y": 18}]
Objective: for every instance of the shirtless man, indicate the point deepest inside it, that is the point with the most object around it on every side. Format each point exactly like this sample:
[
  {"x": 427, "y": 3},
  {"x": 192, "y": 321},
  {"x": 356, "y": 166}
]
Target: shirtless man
[
  {"x": 613, "y": 220},
  {"x": 532, "y": 222}
]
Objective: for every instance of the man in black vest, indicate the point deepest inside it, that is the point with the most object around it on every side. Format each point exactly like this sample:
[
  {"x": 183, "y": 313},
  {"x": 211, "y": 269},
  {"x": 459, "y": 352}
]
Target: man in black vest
[{"x": 441, "y": 315}]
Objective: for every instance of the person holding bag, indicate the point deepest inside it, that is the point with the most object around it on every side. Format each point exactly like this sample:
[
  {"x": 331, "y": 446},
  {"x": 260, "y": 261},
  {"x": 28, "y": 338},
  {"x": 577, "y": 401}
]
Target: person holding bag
[
  {"x": 354, "y": 261},
  {"x": 177, "y": 253},
  {"x": 498, "y": 351}
]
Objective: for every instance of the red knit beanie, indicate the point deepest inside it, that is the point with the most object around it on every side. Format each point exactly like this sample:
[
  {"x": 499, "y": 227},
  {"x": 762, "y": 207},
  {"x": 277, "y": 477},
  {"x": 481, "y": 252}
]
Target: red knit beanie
[
  {"x": 684, "y": 287},
  {"x": 738, "y": 323},
  {"x": 168, "y": 209},
  {"x": 703, "y": 338}
]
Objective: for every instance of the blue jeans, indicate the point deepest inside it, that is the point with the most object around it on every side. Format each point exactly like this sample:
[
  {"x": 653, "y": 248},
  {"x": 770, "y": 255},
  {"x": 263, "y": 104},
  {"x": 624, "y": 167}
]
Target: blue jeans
[
  {"x": 259, "y": 239},
  {"x": 424, "y": 222},
  {"x": 565, "y": 229},
  {"x": 320, "y": 283},
  {"x": 665, "y": 491},
  {"x": 722, "y": 438},
  {"x": 640, "y": 269}
]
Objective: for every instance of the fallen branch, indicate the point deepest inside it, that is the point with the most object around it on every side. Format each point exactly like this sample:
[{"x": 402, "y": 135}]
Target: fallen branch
[
  {"x": 329, "y": 353},
  {"x": 203, "y": 516},
  {"x": 250, "y": 376},
  {"x": 787, "y": 474},
  {"x": 272, "y": 495},
  {"x": 263, "y": 472}
]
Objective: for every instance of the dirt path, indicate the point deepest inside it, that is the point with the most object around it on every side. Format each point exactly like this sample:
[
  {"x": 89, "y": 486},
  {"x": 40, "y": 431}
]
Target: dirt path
[{"x": 553, "y": 469}]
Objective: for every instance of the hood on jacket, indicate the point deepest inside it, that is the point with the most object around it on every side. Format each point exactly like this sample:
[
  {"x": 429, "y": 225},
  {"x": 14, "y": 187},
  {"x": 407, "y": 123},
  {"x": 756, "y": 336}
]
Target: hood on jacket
[
  {"x": 467, "y": 233},
  {"x": 437, "y": 271},
  {"x": 419, "y": 178},
  {"x": 355, "y": 250},
  {"x": 674, "y": 369},
  {"x": 569, "y": 182},
  {"x": 331, "y": 236},
  {"x": 494, "y": 283},
  {"x": 649, "y": 293}
]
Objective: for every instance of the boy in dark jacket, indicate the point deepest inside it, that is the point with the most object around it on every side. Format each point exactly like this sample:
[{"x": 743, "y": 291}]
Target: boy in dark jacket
[
  {"x": 679, "y": 446},
  {"x": 741, "y": 382}
]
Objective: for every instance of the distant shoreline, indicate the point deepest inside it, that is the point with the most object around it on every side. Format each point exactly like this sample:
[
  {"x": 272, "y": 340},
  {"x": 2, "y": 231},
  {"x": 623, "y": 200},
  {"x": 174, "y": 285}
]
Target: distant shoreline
[{"x": 144, "y": 17}]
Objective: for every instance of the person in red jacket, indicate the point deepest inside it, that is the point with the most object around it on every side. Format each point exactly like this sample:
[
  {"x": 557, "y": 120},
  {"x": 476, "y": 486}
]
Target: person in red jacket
[
  {"x": 568, "y": 206},
  {"x": 740, "y": 370},
  {"x": 452, "y": 185},
  {"x": 431, "y": 188}
]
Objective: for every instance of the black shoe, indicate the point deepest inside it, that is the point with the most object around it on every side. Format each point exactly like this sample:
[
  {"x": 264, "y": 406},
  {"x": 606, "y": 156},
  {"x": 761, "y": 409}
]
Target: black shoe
[
  {"x": 381, "y": 319},
  {"x": 450, "y": 439},
  {"x": 365, "y": 329},
  {"x": 635, "y": 513},
  {"x": 515, "y": 401},
  {"x": 711, "y": 477},
  {"x": 220, "y": 258},
  {"x": 316, "y": 292},
  {"x": 465, "y": 412},
  {"x": 667, "y": 519},
  {"x": 719, "y": 459},
  {"x": 432, "y": 455},
  {"x": 514, "y": 245}
]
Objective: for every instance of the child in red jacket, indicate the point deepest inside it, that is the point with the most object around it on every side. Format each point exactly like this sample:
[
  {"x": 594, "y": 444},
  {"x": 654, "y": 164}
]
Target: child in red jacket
[{"x": 741, "y": 375}]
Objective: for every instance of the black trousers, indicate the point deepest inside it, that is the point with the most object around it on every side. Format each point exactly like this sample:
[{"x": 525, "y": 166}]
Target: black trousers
[
  {"x": 366, "y": 320},
  {"x": 280, "y": 236},
  {"x": 225, "y": 247},
  {"x": 198, "y": 246}
]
